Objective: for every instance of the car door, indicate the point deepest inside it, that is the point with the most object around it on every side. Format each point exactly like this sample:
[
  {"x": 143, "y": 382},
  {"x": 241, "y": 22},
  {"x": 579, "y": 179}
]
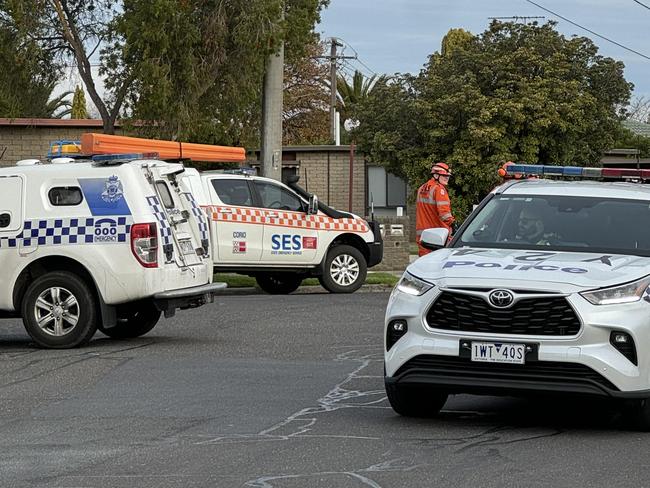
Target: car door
[
  {"x": 237, "y": 226},
  {"x": 180, "y": 237},
  {"x": 290, "y": 235},
  {"x": 11, "y": 212}
]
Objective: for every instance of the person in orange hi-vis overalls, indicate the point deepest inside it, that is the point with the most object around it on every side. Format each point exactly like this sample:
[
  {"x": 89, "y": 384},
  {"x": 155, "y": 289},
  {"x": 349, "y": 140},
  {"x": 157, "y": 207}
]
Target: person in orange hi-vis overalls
[{"x": 433, "y": 208}]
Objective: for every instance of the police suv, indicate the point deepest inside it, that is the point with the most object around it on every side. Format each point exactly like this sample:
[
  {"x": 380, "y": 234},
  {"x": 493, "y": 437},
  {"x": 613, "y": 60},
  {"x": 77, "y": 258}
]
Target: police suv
[
  {"x": 281, "y": 235},
  {"x": 545, "y": 288},
  {"x": 107, "y": 244}
]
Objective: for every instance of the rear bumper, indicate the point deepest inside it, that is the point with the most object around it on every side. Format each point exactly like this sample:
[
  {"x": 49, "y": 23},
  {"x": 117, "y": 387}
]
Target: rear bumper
[
  {"x": 195, "y": 296},
  {"x": 460, "y": 375}
]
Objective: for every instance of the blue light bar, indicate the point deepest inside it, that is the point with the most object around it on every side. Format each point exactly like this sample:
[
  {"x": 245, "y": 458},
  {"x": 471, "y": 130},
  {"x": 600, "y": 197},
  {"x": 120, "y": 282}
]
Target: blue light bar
[
  {"x": 540, "y": 170},
  {"x": 115, "y": 158},
  {"x": 520, "y": 170}
]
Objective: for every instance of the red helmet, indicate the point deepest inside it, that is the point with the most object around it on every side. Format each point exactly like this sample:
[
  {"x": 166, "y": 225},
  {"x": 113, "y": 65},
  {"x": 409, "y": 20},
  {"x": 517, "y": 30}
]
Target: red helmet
[
  {"x": 441, "y": 169},
  {"x": 503, "y": 171}
]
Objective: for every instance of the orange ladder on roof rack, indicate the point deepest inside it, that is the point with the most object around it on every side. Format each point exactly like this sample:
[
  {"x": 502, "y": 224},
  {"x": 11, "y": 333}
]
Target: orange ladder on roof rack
[{"x": 92, "y": 143}]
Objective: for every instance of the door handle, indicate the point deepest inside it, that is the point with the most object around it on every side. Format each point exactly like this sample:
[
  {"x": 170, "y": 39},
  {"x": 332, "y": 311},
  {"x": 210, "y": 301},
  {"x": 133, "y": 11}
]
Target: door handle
[
  {"x": 225, "y": 210},
  {"x": 273, "y": 215}
]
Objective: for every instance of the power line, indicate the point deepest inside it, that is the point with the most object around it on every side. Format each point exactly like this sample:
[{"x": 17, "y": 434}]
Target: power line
[
  {"x": 356, "y": 57},
  {"x": 642, "y": 4},
  {"x": 588, "y": 30}
]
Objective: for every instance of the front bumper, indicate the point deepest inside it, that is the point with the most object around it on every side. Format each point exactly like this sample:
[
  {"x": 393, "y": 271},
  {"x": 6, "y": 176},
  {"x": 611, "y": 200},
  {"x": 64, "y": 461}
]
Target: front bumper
[
  {"x": 461, "y": 375},
  {"x": 195, "y": 296},
  {"x": 585, "y": 363}
]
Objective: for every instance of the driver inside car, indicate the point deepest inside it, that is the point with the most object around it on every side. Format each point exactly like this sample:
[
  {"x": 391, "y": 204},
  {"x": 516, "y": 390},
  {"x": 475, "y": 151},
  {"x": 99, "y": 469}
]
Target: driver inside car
[{"x": 531, "y": 229}]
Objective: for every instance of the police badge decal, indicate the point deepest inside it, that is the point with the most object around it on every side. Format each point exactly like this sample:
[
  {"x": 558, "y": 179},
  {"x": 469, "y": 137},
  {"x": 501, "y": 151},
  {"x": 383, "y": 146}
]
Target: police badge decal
[{"x": 113, "y": 190}]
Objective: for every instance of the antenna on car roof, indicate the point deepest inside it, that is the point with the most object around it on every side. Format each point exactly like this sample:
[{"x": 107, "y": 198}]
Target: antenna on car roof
[{"x": 306, "y": 181}]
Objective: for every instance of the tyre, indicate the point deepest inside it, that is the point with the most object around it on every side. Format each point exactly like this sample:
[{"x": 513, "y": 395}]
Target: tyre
[
  {"x": 414, "y": 401},
  {"x": 133, "y": 320},
  {"x": 279, "y": 283},
  {"x": 59, "y": 310},
  {"x": 345, "y": 270},
  {"x": 640, "y": 415}
]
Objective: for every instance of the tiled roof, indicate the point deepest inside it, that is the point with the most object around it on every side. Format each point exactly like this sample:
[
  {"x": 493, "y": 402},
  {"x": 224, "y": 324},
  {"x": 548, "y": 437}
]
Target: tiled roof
[{"x": 638, "y": 128}]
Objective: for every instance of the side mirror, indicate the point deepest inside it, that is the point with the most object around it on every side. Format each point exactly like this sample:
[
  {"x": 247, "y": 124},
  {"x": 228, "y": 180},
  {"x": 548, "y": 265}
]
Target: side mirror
[
  {"x": 433, "y": 239},
  {"x": 313, "y": 205}
]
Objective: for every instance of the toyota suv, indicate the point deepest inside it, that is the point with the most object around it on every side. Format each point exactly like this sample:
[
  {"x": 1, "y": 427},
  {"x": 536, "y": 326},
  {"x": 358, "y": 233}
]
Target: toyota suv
[{"x": 545, "y": 288}]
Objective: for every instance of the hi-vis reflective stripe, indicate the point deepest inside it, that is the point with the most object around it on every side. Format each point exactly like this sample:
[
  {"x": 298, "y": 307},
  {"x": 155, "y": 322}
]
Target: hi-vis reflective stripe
[
  {"x": 445, "y": 216},
  {"x": 284, "y": 219},
  {"x": 426, "y": 200}
]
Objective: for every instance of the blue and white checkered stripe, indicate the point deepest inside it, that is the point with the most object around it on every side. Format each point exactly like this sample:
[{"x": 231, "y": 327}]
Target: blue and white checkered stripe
[
  {"x": 65, "y": 231},
  {"x": 200, "y": 216},
  {"x": 165, "y": 228}
]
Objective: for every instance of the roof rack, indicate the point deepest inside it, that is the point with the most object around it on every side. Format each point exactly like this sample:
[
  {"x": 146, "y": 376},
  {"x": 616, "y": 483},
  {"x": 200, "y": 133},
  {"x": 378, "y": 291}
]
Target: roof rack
[{"x": 576, "y": 172}]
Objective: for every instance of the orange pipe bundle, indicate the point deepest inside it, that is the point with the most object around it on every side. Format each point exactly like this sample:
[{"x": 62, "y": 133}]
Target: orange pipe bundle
[{"x": 107, "y": 144}]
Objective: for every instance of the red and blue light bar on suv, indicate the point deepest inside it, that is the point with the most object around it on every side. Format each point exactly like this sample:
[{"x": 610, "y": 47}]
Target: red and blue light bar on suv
[{"x": 524, "y": 170}]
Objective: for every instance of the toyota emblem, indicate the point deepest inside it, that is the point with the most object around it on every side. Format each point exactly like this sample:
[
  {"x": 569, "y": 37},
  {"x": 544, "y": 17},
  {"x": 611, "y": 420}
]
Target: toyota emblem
[{"x": 501, "y": 298}]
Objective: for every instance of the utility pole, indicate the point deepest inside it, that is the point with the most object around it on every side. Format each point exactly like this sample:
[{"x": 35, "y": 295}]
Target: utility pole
[
  {"x": 272, "y": 102},
  {"x": 333, "y": 58}
]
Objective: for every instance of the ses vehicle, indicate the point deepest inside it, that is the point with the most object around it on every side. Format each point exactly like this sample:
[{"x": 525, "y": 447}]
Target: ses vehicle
[
  {"x": 544, "y": 289},
  {"x": 106, "y": 244},
  {"x": 282, "y": 235}
]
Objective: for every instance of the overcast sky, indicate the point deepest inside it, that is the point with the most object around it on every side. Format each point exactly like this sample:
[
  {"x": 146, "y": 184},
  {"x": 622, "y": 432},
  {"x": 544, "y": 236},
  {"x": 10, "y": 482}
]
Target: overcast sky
[{"x": 392, "y": 36}]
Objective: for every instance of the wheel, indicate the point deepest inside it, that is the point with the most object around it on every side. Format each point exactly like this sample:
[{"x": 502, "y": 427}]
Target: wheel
[
  {"x": 279, "y": 283},
  {"x": 59, "y": 310},
  {"x": 345, "y": 270},
  {"x": 133, "y": 320},
  {"x": 415, "y": 402}
]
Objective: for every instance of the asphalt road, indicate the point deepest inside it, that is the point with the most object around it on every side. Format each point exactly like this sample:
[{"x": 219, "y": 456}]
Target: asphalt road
[{"x": 283, "y": 392}]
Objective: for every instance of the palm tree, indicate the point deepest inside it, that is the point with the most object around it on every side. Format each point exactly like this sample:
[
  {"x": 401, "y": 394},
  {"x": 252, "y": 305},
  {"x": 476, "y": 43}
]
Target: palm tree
[
  {"x": 58, "y": 107},
  {"x": 351, "y": 94}
]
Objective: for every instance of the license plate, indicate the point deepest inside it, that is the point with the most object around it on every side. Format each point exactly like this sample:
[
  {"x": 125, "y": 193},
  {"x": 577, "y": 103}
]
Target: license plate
[
  {"x": 186, "y": 246},
  {"x": 498, "y": 352}
]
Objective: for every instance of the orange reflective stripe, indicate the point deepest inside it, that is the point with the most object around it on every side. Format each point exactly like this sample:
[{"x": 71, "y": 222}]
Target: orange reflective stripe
[{"x": 284, "y": 219}]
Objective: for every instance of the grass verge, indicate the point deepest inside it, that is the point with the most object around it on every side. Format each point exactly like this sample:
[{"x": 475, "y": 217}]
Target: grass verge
[{"x": 241, "y": 281}]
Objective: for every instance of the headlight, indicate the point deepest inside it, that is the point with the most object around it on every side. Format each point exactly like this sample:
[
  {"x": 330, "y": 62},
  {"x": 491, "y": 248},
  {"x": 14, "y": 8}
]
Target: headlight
[
  {"x": 628, "y": 293},
  {"x": 413, "y": 286}
]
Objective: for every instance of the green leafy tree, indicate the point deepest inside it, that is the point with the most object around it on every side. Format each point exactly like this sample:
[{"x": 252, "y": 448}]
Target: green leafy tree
[
  {"x": 72, "y": 31},
  {"x": 198, "y": 64},
  {"x": 79, "y": 110},
  {"x": 26, "y": 88},
  {"x": 515, "y": 92}
]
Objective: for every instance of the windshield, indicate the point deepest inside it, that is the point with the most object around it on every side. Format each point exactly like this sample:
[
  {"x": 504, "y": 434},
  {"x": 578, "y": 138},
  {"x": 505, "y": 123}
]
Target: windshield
[{"x": 563, "y": 223}]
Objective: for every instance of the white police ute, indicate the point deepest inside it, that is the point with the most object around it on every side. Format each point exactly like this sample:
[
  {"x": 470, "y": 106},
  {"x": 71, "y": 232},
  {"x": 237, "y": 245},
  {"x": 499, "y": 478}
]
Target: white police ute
[
  {"x": 545, "y": 288},
  {"x": 107, "y": 244},
  {"x": 280, "y": 234}
]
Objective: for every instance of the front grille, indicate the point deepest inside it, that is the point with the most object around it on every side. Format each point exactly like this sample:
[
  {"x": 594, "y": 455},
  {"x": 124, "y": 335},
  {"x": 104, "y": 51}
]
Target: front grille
[
  {"x": 533, "y": 371},
  {"x": 547, "y": 316}
]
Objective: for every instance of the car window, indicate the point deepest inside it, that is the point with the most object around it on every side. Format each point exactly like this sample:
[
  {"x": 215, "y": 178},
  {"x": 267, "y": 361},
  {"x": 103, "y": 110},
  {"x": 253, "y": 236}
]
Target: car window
[
  {"x": 233, "y": 192},
  {"x": 277, "y": 197},
  {"x": 559, "y": 222},
  {"x": 165, "y": 195},
  {"x": 65, "y": 195}
]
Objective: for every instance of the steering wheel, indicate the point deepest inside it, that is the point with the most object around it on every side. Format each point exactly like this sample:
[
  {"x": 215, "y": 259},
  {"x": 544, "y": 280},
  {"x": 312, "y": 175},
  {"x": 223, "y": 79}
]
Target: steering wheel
[{"x": 277, "y": 205}]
